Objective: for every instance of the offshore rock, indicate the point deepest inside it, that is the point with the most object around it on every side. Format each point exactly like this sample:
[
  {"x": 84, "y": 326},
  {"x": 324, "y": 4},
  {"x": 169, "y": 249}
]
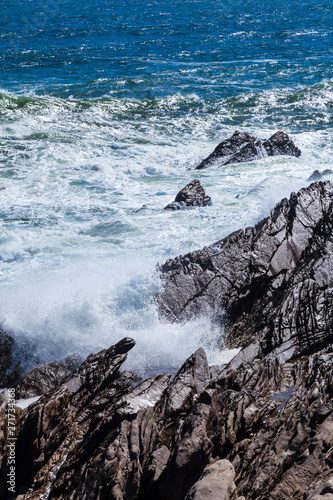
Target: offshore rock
[
  {"x": 272, "y": 282},
  {"x": 316, "y": 175},
  {"x": 265, "y": 429},
  {"x": 242, "y": 147},
  {"x": 192, "y": 195}
]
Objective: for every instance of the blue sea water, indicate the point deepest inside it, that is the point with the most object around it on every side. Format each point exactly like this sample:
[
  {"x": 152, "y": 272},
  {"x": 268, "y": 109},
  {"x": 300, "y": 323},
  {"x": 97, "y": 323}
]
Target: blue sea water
[{"x": 105, "y": 109}]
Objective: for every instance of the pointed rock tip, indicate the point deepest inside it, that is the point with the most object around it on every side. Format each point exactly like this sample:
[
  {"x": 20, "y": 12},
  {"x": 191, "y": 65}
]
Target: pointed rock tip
[{"x": 124, "y": 345}]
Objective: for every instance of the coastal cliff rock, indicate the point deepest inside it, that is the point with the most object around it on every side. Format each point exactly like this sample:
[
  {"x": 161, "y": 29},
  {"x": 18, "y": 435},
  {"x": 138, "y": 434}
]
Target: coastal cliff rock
[
  {"x": 272, "y": 282},
  {"x": 259, "y": 428},
  {"x": 242, "y": 147},
  {"x": 192, "y": 195}
]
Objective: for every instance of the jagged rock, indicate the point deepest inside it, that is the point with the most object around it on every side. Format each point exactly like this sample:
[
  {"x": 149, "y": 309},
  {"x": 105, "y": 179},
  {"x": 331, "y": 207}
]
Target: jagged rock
[
  {"x": 242, "y": 147},
  {"x": 227, "y": 148},
  {"x": 192, "y": 195},
  {"x": 269, "y": 413},
  {"x": 95, "y": 436},
  {"x": 274, "y": 281},
  {"x": 280, "y": 144},
  {"x": 44, "y": 378},
  {"x": 6, "y": 343},
  {"x": 215, "y": 483},
  {"x": 316, "y": 175},
  {"x": 189, "y": 382}
]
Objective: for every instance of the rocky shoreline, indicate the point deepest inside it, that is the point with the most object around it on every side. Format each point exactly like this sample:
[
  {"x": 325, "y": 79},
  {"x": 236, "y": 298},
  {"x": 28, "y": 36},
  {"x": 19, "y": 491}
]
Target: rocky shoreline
[{"x": 260, "y": 428}]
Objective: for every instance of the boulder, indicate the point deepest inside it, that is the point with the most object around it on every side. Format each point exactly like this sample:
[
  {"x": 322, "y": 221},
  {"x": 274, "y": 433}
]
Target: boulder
[
  {"x": 215, "y": 483},
  {"x": 192, "y": 195},
  {"x": 242, "y": 147}
]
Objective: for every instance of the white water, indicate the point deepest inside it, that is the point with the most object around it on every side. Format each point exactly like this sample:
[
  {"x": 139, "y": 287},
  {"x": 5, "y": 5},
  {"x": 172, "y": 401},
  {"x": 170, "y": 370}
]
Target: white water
[{"x": 78, "y": 253}]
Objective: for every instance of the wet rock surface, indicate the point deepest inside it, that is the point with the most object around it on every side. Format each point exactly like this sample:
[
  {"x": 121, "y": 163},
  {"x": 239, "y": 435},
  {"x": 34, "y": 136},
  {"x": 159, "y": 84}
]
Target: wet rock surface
[
  {"x": 242, "y": 147},
  {"x": 316, "y": 175},
  {"x": 259, "y": 428},
  {"x": 192, "y": 195}
]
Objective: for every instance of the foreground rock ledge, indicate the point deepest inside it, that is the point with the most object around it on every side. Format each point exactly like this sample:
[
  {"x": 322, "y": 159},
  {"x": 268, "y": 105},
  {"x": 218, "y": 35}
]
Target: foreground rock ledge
[{"x": 259, "y": 429}]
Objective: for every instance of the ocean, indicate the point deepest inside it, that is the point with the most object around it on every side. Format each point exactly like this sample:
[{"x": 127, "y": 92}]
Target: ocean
[{"x": 105, "y": 109}]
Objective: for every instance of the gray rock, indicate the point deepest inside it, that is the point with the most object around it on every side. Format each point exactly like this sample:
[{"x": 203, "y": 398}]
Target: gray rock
[
  {"x": 215, "y": 483},
  {"x": 316, "y": 175},
  {"x": 192, "y": 195},
  {"x": 44, "y": 378},
  {"x": 323, "y": 492},
  {"x": 242, "y": 147},
  {"x": 274, "y": 281}
]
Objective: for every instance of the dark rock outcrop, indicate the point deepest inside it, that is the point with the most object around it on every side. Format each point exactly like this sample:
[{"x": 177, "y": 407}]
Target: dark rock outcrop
[
  {"x": 192, "y": 195},
  {"x": 274, "y": 281},
  {"x": 228, "y": 148},
  {"x": 260, "y": 428},
  {"x": 316, "y": 175},
  {"x": 242, "y": 147},
  {"x": 95, "y": 436}
]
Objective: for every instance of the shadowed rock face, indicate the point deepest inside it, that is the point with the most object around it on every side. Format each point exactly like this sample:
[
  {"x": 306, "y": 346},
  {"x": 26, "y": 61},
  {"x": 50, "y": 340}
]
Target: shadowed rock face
[
  {"x": 274, "y": 281},
  {"x": 192, "y": 195},
  {"x": 242, "y": 147},
  {"x": 6, "y": 343}
]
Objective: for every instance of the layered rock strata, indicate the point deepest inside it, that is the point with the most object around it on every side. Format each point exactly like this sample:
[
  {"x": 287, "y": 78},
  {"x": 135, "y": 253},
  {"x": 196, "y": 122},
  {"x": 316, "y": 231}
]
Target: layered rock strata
[
  {"x": 260, "y": 429},
  {"x": 272, "y": 282}
]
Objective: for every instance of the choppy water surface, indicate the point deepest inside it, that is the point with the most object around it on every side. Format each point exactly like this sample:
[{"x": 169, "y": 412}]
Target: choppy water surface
[{"x": 105, "y": 108}]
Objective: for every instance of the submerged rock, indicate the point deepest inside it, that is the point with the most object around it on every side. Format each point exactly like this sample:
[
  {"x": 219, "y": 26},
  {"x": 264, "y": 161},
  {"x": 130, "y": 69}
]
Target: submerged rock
[
  {"x": 192, "y": 195},
  {"x": 316, "y": 175},
  {"x": 242, "y": 147}
]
